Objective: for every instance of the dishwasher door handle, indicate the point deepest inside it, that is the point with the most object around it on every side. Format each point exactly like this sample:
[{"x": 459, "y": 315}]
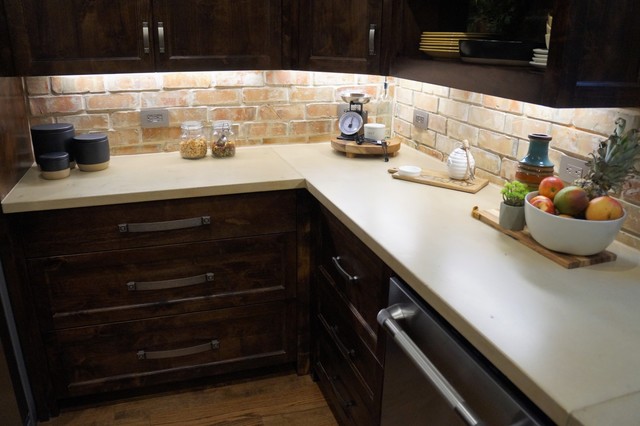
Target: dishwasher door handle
[{"x": 387, "y": 318}]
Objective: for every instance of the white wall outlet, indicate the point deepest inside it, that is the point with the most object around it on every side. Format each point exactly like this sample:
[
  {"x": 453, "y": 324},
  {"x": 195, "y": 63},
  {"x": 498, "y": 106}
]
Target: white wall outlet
[
  {"x": 571, "y": 168},
  {"x": 156, "y": 117},
  {"x": 420, "y": 119}
]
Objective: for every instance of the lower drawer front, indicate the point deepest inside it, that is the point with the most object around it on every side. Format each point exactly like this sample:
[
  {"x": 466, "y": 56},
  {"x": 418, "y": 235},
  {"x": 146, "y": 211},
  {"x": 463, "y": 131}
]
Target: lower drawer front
[
  {"x": 96, "y": 288},
  {"x": 342, "y": 325},
  {"x": 124, "y": 355},
  {"x": 343, "y": 391}
]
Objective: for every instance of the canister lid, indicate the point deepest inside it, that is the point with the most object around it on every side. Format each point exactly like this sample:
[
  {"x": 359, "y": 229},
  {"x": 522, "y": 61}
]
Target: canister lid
[
  {"x": 90, "y": 137},
  {"x": 54, "y": 161},
  {"x": 191, "y": 125},
  {"x": 51, "y": 128}
]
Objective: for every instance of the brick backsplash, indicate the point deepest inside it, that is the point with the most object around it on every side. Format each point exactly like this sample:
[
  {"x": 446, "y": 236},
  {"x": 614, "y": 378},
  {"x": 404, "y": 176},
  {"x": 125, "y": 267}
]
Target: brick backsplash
[{"x": 277, "y": 107}]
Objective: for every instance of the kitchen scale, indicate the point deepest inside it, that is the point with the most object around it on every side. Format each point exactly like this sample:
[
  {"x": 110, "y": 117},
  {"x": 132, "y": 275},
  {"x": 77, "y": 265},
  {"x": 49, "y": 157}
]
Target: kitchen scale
[{"x": 351, "y": 123}]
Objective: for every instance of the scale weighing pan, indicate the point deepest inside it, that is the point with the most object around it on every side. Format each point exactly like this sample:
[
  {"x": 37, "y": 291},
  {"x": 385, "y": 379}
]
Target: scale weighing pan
[{"x": 360, "y": 98}]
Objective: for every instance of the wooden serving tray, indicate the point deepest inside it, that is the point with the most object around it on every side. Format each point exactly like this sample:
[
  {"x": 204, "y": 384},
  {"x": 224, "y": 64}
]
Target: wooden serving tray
[
  {"x": 569, "y": 261},
  {"x": 442, "y": 179},
  {"x": 352, "y": 149}
]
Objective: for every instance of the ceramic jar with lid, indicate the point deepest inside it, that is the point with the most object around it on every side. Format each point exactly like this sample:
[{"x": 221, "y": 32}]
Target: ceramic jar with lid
[
  {"x": 54, "y": 165},
  {"x": 461, "y": 164},
  {"x": 92, "y": 151},
  {"x": 53, "y": 137},
  {"x": 193, "y": 143},
  {"x": 222, "y": 143}
]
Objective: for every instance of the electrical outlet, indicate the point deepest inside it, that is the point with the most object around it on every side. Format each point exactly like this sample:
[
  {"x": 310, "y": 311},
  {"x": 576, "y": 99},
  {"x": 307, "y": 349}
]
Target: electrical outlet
[
  {"x": 342, "y": 108},
  {"x": 571, "y": 168},
  {"x": 420, "y": 119},
  {"x": 157, "y": 117}
]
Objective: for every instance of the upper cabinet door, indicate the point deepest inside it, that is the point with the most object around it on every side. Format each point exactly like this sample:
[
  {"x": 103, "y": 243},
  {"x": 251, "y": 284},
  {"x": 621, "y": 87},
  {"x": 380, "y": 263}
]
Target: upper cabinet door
[
  {"x": 218, "y": 34},
  {"x": 340, "y": 35},
  {"x": 597, "y": 57},
  {"x": 79, "y": 36}
]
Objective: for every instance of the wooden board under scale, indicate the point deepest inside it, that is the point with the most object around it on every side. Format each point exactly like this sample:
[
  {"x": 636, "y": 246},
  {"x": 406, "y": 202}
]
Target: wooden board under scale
[
  {"x": 569, "y": 261},
  {"x": 352, "y": 149},
  {"x": 442, "y": 179}
]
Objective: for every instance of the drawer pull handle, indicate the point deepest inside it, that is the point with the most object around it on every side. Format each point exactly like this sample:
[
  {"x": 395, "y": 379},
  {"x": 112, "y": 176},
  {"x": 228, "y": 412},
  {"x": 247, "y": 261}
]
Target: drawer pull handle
[
  {"x": 345, "y": 274},
  {"x": 165, "y": 284},
  {"x": 351, "y": 353},
  {"x": 160, "y": 37},
  {"x": 344, "y": 402},
  {"x": 169, "y": 225},
  {"x": 210, "y": 346}
]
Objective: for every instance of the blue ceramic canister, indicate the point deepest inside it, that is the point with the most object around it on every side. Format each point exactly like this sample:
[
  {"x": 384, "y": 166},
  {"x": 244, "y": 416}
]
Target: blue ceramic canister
[
  {"x": 92, "y": 151},
  {"x": 53, "y": 137}
]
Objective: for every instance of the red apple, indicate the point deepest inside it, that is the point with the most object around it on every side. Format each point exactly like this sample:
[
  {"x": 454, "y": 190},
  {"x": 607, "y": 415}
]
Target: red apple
[
  {"x": 549, "y": 186},
  {"x": 543, "y": 203}
]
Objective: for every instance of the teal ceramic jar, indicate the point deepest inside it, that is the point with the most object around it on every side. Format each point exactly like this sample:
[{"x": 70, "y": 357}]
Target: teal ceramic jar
[{"x": 536, "y": 165}]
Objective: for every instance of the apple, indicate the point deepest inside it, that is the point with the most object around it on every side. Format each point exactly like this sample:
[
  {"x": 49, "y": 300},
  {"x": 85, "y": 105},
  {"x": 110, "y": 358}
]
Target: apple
[
  {"x": 571, "y": 200},
  {"x": 549, "y": 186},
  {"x": 604, "y": 208},
  {"x": 543, "y": 203}
]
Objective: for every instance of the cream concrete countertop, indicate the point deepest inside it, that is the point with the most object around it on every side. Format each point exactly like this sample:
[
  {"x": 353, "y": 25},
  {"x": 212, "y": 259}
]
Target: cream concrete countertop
[{"x": 569, "y": 339}]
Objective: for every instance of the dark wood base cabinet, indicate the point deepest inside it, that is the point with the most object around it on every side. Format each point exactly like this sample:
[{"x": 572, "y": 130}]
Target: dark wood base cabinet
[
  {"x": 349, "y": 287},
  {"x": 129, "y": 296}
]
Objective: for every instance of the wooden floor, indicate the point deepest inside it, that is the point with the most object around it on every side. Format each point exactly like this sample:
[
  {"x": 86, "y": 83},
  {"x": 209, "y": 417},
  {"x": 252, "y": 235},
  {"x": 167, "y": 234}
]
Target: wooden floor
[{"x": 284, "y": 400}]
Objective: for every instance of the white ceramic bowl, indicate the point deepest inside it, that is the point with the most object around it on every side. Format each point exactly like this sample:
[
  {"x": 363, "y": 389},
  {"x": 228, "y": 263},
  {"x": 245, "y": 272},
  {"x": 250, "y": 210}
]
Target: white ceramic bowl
[
  {"x": 409, "y": 170},
  {"x": 568, "y": 235}
]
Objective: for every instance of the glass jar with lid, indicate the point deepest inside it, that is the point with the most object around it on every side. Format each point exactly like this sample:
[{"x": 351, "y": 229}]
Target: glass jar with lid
[
  {"x": 193, "y": 143},
  {"x": 222, "y": 143}
]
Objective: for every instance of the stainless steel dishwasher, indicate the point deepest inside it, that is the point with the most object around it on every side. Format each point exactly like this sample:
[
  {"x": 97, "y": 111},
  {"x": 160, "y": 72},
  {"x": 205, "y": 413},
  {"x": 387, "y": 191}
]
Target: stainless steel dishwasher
[{"x": 433, "y": 376}]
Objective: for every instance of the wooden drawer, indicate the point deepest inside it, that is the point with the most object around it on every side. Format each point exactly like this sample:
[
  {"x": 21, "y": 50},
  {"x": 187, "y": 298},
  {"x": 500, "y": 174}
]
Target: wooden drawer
[
  {"x": 357, "y": 273},
  {"x": 90, "y": 229},
  {"x": 346, "y": 333},
  {"x": 94, "y": 288},
  {"x": 344, "y": 393},
  {"x": 108, "y": 357}
]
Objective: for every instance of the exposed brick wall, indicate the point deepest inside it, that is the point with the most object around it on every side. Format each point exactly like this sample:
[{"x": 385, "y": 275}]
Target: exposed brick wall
[
  {"x": 497, "y": 130},
  {"x": 265, "y": 106},
  {"x": 269, "y": 107}
]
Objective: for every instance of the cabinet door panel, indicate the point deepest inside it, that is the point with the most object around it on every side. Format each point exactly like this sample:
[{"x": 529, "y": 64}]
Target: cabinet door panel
[
  {"x": 78, "y": 36},
  {"x": 335, "y": 35},
  {"x": 219, "y": 34}
]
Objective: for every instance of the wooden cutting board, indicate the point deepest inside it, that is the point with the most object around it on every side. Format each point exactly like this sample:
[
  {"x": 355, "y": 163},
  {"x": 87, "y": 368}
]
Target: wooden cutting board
[
  {"x": 442, "y": 179},
  {"x": 569, "y": 261},
  {"x": 352, "y": 149}
]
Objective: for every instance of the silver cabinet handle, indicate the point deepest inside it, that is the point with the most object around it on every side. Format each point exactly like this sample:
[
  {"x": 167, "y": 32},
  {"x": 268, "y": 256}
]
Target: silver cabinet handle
[
  {"x": 210, "y": 346},
  {"x": 165, "y": 284},
  {"x": 387, "y": 319},
  {"x": 165, "y": 226},
  {"x": 345, "y": 274},
  {"x": 145, "y": 36},
  {"x": 372, "y": 39},
  {"x": 161, "y": 37}
]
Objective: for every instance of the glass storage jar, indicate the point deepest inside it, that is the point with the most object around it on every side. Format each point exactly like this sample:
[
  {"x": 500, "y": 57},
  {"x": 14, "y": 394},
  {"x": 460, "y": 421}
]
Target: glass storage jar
[
  {"x": 222, "y": 143},
  {"x": 193, "y": 143}
]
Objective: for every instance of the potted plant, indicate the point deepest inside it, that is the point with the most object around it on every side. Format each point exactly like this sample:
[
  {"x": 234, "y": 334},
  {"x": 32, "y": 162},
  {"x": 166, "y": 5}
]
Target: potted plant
[{"x": 512, "y": 206}]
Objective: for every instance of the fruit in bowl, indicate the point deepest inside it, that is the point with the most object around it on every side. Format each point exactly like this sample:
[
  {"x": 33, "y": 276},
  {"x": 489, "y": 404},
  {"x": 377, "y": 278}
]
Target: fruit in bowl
[{"x": 567, "y": 234}]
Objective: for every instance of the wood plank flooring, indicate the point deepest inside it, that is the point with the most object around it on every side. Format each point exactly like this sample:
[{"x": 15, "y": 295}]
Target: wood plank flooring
[{"x": 283, "y": 400}]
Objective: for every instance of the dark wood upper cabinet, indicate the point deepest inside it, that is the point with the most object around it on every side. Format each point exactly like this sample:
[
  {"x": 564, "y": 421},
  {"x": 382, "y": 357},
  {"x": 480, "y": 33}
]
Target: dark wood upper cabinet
[
  {"x": 104, "y": 36},
  {"x": 77, "y": 36},
  {"x": 594, "y": 55},
  {"x": 218, "y": 34},
  {"x": 342, "y": 36}
]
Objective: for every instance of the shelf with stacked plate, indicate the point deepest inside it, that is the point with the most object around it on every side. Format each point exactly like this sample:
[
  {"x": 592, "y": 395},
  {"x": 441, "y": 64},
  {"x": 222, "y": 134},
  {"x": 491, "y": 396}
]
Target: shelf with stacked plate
[{"x": 593, "y": 55}]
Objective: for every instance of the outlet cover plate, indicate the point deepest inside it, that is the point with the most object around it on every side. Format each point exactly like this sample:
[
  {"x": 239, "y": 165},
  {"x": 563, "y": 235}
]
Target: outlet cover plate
[
  {"x": 154, "y": 117},
  {"x": 420, "y": 119},
  {"x": 571, "y": 168}
]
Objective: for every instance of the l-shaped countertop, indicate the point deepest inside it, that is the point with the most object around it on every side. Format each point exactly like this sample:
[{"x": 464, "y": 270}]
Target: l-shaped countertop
[{"x": 568, "y": 338}]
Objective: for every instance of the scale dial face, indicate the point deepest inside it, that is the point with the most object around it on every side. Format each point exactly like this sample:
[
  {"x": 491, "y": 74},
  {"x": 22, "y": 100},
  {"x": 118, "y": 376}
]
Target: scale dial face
[{"x": 350, "y": 123}]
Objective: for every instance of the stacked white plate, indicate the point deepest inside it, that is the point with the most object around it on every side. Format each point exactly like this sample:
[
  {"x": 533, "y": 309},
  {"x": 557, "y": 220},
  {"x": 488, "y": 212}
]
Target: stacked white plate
[
  {"x": 539, "y": 59},
  {"x": 446, "y": 44}
]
